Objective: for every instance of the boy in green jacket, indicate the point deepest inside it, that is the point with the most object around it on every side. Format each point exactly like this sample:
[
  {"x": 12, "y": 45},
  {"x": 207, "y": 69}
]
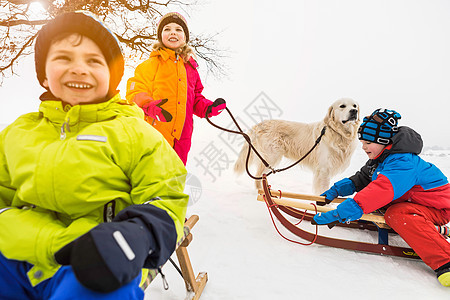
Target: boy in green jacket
[{"x": 89, "y": 192}]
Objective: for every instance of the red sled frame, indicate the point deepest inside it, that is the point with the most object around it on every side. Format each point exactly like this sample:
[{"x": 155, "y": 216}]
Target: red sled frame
[{"x": 382, "y": 247}]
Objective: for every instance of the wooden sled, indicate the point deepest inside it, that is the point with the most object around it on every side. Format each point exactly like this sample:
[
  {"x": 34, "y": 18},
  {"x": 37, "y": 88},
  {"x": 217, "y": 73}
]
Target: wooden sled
[
  {"x": 291, "y": 201},
  {"x": 288, "y": 204},
  {"x": 194, "y": 285}
]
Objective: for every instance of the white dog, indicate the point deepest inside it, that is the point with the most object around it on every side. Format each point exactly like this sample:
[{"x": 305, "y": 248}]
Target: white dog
[{"x": 274, "y": 139}]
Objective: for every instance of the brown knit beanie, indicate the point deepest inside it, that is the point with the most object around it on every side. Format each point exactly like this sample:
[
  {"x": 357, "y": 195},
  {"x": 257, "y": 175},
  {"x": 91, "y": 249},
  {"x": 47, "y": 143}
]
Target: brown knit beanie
[
  {"x": 88, "y": 25},
  {"x": 172, "y": 17}
]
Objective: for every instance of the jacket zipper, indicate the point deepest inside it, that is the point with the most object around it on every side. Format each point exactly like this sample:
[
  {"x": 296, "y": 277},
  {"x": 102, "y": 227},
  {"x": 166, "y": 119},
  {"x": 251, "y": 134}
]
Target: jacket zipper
[
  {"x": 109, "y": 211},
  {"x": 63, "y": 129}
]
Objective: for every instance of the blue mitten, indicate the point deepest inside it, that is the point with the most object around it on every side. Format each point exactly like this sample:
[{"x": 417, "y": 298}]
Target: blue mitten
[
  {"x": 343, "y": 187},
  {"x": 347, "y": 211},
  {"x": 329, "y": 194}
]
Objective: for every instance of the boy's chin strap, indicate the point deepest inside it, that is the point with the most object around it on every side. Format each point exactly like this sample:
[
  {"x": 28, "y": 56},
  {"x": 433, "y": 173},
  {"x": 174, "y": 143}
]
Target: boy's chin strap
[{"x": 388, "y": 147}]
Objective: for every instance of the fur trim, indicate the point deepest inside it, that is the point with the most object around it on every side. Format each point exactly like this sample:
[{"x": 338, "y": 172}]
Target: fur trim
[{"x": 186, "y": 52}]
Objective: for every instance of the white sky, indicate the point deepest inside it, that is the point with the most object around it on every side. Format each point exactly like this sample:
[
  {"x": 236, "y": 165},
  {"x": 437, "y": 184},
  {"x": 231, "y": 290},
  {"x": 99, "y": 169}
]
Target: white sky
[{"x": 306, "y": 54}]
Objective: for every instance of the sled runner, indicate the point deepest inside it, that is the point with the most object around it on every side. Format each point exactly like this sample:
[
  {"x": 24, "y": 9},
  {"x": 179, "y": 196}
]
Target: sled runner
[
  {"x": 281, "y": 204},
  {"x": 194, "y": 285}
]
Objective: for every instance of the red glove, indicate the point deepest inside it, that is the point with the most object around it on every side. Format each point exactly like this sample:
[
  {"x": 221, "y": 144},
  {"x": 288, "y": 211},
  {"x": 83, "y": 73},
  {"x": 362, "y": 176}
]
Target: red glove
[
  {"x": 216, "y": 108},
  {"x": 154, "y": 110}
]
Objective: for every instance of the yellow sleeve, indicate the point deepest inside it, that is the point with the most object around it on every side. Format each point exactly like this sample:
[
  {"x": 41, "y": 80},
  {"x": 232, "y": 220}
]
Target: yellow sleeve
[
  {"x": 142, "y": 81},
  {"x": 158, "y": 175}
]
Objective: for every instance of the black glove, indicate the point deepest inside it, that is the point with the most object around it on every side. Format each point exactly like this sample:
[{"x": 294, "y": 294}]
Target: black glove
[
  {"x": 112, "y": 254},
  {"x": 154, "y": 110},
  {"x": 216, "y": 107}
]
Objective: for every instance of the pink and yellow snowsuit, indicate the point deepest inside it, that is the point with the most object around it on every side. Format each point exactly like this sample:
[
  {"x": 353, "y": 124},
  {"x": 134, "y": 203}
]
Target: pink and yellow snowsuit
[{"x": 166, "y": 76}]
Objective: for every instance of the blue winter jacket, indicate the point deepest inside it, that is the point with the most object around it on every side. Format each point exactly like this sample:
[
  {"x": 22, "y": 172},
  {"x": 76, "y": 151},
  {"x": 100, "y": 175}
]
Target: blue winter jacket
[{"x": 399, "y": 174}]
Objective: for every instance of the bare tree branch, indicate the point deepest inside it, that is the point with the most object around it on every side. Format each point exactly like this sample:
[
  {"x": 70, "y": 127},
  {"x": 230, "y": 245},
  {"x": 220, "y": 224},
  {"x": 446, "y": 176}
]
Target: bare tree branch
[
  {"x": 18, "y": 55},
  {"x": 133, "y": 22},
  {"x": 10, "y": 23}
]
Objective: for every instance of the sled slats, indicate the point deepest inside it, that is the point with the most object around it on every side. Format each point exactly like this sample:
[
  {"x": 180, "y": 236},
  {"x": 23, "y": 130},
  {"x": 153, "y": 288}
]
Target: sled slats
[
  {"x": 309, "y": 206},
  {"x": 301, "y": 196}
]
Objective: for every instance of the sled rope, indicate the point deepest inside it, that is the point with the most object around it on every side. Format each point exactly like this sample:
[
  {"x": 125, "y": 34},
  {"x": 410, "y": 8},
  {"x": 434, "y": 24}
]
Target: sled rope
[
  {"x": 251, "y": 147},
  {"x": 240, "y": 132},
  {"x": 176, "y": 267},
  {"x": 289, "y": 208},
  {"x": 267, "y": 195}
]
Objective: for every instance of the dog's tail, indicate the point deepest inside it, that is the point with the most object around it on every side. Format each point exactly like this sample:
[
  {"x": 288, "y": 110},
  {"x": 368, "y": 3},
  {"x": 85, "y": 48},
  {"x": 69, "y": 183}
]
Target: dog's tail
[{"x": 239, "y": 166}]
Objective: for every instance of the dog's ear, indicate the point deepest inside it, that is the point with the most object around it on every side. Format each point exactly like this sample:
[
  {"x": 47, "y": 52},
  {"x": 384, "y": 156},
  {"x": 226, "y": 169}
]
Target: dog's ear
[
  {"x": 359, "y": 114},
  {"x": 330, "y": 115}
]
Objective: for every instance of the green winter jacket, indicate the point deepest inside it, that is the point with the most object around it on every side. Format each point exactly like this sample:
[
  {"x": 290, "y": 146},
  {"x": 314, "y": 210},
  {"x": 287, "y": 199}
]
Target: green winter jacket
[{"x": 66, "y": 169}]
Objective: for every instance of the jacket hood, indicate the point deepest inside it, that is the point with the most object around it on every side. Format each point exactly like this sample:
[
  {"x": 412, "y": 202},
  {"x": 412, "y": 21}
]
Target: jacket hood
[
  {"x": 95, "y": 112},
  {"x": 186, "y": 52},
  {"x": 406, "y": 141}
]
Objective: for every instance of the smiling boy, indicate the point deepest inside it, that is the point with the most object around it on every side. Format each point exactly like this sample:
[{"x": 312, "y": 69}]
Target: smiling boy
[
  {"x": 415, "y": 192},
  {"x": 76, "y": 71},
  {"x": 89, "y": 192}
]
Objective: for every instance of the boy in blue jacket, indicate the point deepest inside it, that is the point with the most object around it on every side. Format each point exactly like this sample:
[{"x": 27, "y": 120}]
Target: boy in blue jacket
[{"x": 417, "y": 192}]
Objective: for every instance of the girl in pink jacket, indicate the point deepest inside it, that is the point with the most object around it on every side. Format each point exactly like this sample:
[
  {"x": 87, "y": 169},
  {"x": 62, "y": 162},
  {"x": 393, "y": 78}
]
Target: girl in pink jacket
[{"x": 168, "y": 88}]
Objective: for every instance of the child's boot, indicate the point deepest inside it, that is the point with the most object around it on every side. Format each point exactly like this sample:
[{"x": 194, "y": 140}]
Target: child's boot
[{"x": 443, "y": 274}]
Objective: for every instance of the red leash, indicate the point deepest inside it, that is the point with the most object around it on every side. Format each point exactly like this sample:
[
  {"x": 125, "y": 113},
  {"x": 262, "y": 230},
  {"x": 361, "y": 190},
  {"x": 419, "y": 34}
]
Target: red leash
[{"x": 275, "y": 206}]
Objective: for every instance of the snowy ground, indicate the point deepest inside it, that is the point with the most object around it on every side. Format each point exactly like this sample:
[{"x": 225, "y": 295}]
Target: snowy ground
[{"x": 245, "y": 258}]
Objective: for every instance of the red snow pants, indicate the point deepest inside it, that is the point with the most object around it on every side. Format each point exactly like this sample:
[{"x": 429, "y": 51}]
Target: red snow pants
[{"x": 415, "y": 223}]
